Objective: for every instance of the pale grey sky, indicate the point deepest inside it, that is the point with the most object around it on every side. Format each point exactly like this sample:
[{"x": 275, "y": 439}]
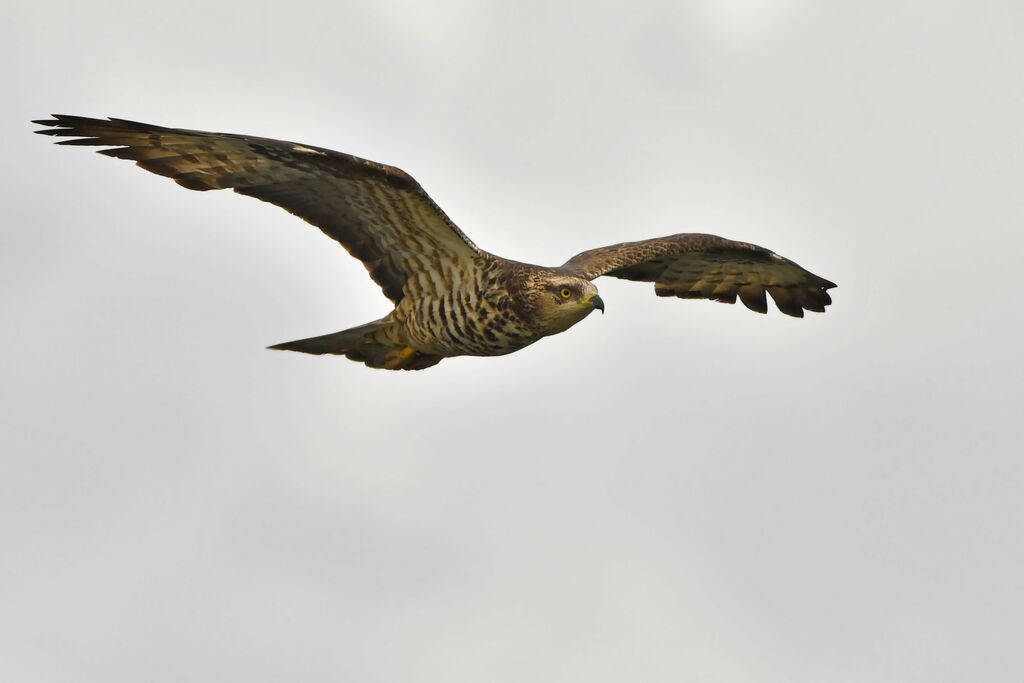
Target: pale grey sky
[{"x": 676, "y": 491}]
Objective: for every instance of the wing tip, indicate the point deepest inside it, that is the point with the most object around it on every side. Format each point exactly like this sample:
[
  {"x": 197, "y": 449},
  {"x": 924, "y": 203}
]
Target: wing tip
[
  {"x": 71, "y": 124},
  {"x": 51, "y": 126},
  {"x": 65, "y": 125}
]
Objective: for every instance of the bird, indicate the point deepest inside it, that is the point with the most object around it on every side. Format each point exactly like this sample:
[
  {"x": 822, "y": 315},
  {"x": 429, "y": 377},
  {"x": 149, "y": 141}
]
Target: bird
[{"x": 451, "y": 298}]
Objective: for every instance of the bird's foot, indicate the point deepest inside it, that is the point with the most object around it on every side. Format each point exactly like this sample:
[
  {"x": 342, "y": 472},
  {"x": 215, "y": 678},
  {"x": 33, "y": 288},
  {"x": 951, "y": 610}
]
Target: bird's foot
[{"x": 396, "y": 359}]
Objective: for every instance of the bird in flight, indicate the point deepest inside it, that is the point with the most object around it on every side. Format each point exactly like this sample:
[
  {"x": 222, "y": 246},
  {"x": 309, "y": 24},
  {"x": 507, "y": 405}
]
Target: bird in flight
[{"x": 451, "y": 297}]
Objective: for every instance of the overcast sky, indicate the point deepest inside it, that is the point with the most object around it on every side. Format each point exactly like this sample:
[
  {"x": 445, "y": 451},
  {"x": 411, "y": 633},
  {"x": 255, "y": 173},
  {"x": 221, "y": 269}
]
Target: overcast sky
[{"x": 673, "y": 492}]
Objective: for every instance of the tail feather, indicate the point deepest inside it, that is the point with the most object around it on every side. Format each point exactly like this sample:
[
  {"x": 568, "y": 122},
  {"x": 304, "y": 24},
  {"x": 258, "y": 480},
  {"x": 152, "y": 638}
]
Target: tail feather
[
  {"x": 370, "y": 344},
  {"x": 337, "y": 343}
]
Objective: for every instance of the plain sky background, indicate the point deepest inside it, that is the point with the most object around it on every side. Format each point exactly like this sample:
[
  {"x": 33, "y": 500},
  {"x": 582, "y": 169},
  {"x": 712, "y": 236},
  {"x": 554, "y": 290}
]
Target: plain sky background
[{"x": 677, "y": 491}]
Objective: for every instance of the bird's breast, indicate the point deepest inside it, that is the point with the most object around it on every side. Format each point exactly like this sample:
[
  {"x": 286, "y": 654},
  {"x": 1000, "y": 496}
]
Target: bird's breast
[{"x": 472, "y": 319}]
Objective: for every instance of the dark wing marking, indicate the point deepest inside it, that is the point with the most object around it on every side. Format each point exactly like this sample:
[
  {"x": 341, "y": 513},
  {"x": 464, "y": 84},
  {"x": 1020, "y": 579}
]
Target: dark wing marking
[
  {"x": 695, "y": 266},
  {"x": 378, "y": 213}
]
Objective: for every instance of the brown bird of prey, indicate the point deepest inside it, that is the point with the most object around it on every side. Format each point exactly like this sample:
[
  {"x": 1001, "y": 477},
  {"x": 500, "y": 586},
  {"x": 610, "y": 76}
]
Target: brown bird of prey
[{"x": 451, "y": 297}]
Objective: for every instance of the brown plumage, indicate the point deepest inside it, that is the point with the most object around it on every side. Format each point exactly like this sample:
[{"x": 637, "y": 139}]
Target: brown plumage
[{"x": 451, "y": 298}]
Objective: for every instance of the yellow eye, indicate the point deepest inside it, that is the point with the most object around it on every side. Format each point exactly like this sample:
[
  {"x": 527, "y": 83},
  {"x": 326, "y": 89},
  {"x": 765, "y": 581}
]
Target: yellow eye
[{"x": 565, "y": 292}]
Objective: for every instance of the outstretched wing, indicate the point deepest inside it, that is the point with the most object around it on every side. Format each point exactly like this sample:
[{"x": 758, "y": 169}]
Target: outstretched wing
[
  {"x": 694, "y": 266},
  {"x": 378, "y": 213}
]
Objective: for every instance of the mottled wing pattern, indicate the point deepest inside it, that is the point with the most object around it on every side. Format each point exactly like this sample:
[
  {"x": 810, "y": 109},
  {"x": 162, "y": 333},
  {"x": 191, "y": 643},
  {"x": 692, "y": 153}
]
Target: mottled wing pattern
[
  {"x": 695, "y": 266},
  {"x": 380, "y": 214}
]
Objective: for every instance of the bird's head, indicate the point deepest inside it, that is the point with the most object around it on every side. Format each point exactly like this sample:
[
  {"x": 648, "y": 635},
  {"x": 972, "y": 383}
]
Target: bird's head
[{"x": 559, "y": 301}]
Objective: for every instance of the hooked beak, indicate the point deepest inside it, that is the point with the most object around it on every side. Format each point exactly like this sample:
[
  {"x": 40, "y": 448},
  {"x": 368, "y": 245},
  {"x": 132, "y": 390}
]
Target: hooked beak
[{"x": 597, "y": 303}]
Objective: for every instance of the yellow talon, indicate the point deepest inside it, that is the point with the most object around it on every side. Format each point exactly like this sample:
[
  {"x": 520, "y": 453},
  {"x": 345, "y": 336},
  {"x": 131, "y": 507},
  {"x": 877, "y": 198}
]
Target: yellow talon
[{"x": 399, "y": 358}]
